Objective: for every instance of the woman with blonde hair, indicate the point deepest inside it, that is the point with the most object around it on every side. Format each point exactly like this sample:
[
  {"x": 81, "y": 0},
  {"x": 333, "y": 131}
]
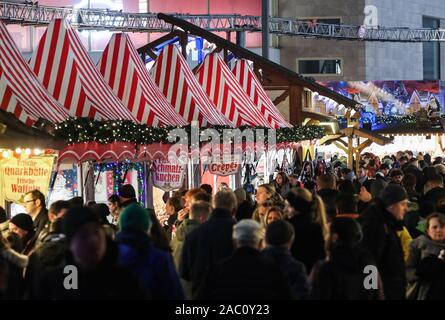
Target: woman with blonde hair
[
  {"x": 264, "y": 192},
  {"x": 261, "y": 210},
  {"x": 273, "y": 214},
  {"x": 307, "y": 214}
]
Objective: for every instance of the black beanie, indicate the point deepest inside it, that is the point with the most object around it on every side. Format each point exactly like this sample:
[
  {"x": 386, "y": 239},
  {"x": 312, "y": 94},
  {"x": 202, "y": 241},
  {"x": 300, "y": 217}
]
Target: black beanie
[
  {"x": 127, "y": 191},
  {"x": 75, "y": 218},
  {"x": 23, "y": 221},
  {"x": 392, "y": 194}
]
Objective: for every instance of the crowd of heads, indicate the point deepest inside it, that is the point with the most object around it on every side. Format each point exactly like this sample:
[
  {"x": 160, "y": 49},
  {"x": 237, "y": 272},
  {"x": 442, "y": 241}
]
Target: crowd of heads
[{"x": 330, "y": 224}]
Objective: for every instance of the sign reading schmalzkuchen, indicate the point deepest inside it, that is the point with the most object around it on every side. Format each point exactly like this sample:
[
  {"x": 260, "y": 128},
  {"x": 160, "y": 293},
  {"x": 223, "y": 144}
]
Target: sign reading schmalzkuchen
[{"x": 166, "y": 175}]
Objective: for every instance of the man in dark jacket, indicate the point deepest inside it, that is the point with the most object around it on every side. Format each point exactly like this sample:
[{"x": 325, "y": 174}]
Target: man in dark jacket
[
  {"x": 279, "y": 238},
  {"x": 209, "y": 243},
  {"x": 246, "y": 274},
  {"x": 90, "y": 270},
  {"x": 34, "y": 203},
  {"x": 341, "y": 276},
  {"x": 326, "y": 190},
  {"x": 380, "y": 223}
]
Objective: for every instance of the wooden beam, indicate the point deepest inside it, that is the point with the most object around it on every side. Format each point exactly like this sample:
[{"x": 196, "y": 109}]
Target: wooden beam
[
  {"x": 295, "y": 104},
  {"x": 275, "y": 88},
  {"x": 338, "y": 145},
  {"x": 330, "y": 138},
  {"x": 183, "y": 40},
  {"x": 364, "y": 145},
  {"x": 151, "y": 54},
  {"x": 281, "y": 97}
]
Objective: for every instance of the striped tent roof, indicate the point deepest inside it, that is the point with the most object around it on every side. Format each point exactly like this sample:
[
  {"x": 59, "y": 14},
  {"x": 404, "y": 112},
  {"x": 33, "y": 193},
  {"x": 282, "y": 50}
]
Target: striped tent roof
[
  {"x": 173, "y": 76},
  {"x": 252, "y": 86},
  {"x": 62, "y": 64},
  {"x": 126, "y": 74},
  {"x": 21, "y": 93},
  {"x": 226, "y": 93}
]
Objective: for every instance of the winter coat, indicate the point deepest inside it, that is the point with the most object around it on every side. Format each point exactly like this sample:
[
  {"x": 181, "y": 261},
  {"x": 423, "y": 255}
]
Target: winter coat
[
  {"x": 380, "y": 238},
  {"x": 106, "y": 282},
  {"x": 153, "y": 267},
  {"x": 294, "y": 270},
  {"x": 15, "y": 263},
  {"x": 49, "y": 254},
  {"x": 178, "y": 240},
  {"x": 245, "y": 275},
  {"x": 432, "y": 270},
  {"x": 421, "y": 248},
  {"x": 308, "y": 246},
  {"x": 342, "y": 277},
  {"x": 206, "y": 246},
  {"x": 328, "y": 196}
]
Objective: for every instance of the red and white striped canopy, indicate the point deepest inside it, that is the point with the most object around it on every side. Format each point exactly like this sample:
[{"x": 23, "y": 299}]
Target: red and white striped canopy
[
  {"x": 226, "y": 93},
  {"x": 173, "y": 76},
  {"x": 62, "y": 64},
  {"x": 126, "y": 74},
  {"x": 21, "y": 93},
  {"x": 252, "y": 86}
]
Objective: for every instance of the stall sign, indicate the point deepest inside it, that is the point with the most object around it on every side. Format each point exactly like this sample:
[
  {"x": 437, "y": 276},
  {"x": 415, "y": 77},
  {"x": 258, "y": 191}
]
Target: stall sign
[
  {"x": 224, "y": 168},
  {"x": 167, "y": 175},
  {"x": 19, "y": 176}
]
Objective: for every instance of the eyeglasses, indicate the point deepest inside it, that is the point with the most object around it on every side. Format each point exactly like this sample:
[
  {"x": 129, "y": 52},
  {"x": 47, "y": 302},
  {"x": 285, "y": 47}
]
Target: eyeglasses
[{"x": 29, "y": 201}]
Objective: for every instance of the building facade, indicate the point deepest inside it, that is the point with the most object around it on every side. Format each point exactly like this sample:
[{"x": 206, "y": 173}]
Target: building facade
[{"x": 332, "y": 60}]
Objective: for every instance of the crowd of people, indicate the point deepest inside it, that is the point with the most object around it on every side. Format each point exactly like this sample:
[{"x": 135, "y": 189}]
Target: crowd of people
[{"x": 311, "y": 238}]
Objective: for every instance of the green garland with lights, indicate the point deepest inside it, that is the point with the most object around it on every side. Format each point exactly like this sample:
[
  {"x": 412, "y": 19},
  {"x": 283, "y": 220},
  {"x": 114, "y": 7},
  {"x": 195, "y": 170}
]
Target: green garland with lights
[{"x": 79, "y": 130}]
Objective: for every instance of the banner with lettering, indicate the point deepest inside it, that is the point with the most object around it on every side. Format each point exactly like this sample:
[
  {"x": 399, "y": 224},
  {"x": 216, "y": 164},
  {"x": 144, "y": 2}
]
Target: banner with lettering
[
  {"x": 19, "y": 176},
  {"x": 167, "y": 175}
]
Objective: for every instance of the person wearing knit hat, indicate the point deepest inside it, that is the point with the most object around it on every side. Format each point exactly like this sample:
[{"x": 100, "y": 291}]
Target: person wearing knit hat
[
  {"x": 22, "y": 225},
  {"x": 395, "y": 200},
  {"x": 138, "y": 255},
  {"x": 134, "y": 218},
  {"x": 127, "y": 195},
  {"x": 381, "y": 223}
]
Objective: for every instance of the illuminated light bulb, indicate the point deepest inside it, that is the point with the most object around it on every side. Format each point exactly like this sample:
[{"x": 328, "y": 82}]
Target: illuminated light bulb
[
  {"x": 28, "y": 151},
  {"x": 37, "y": 152},
  {"x": 18, "y": 150},
  {"x": 5, "y": 154}
]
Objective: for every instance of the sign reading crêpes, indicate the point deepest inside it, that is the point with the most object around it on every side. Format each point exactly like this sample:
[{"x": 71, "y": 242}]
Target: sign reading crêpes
[
  {"x": 19, "y": 176},
  {"x": 224, "y": 169},
  {"x": 167, "y": 175}
]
